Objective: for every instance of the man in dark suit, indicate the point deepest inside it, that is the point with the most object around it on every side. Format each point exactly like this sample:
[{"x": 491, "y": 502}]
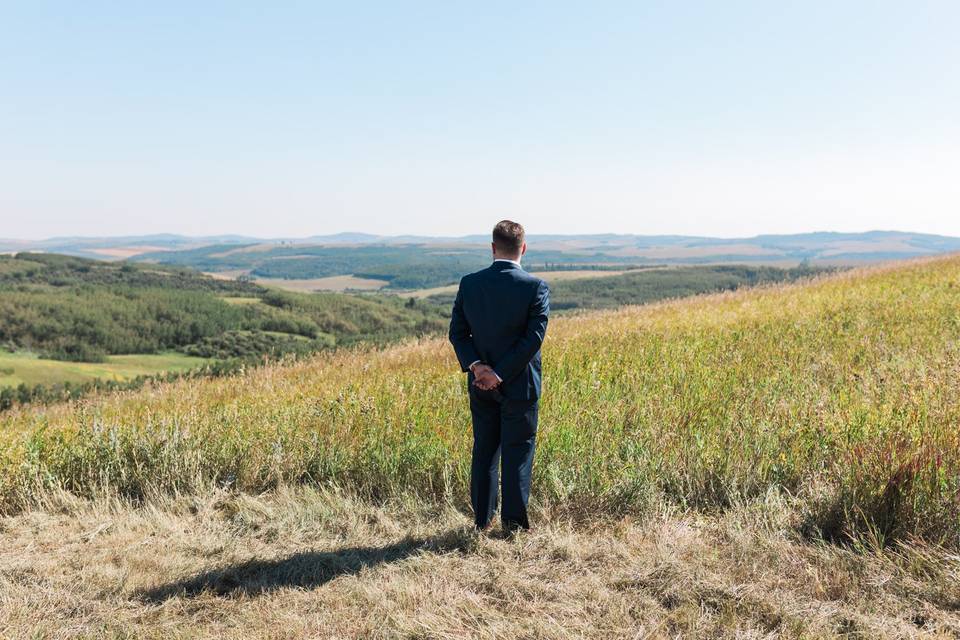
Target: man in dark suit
[{"x": 498, "y": 324}]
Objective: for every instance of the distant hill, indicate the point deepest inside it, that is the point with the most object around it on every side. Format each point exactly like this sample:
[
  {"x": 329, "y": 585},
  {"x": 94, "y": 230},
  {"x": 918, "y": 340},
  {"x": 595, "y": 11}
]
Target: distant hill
[
  {"x": 116, "y": 247},
  {"x": 821, "y": 246},
  {"x": 410, "y": 263},
  {"x": 406, "y": 263}
]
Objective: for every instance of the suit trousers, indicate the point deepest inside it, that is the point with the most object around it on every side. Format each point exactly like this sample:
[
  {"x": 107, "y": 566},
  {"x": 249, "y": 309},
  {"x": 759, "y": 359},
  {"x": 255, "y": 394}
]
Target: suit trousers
[{"x": 504, "y": 431}]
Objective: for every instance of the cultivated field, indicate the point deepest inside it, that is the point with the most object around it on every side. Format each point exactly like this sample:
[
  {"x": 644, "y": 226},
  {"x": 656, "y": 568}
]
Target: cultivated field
[
  {"x": 308, "y": 285},
  {"x": 122, "y": 253},
  {"x": 331, "y": 283},
  {"x": 27, "y": 368},
  {"x": 775, "y": 462},
  {"x": 549, "y": 276}
]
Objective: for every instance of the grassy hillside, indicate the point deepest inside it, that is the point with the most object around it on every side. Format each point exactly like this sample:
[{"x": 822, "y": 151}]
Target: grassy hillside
[{"x": 842, "y": 393}]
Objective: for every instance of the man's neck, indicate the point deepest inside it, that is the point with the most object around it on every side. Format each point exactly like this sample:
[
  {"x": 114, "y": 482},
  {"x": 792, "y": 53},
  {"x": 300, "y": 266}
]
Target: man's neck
[{"x": 515, "y": 261}]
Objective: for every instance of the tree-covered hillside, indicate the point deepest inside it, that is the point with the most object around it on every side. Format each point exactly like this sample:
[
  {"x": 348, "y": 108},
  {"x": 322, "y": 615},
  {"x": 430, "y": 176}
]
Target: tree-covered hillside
[
  {"x": 83, "y": 310},
  {"x": 402, "y": 266},
  {"x": 640, "y": 286}
]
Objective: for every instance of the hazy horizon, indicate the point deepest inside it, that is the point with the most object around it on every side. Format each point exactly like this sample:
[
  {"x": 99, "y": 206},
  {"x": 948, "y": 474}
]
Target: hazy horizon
[
  {"x": 541, "y": 233},
  {"x": 725, "y": 121}
]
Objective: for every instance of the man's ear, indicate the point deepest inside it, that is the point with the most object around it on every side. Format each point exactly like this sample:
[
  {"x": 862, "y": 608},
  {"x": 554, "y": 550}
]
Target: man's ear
[
  {"x": 493, "y": 246},
  {"x": 523, "y": 248}
]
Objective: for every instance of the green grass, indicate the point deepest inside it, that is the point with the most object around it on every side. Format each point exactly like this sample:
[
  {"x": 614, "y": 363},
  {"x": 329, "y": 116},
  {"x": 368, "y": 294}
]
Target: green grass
[
  {"x": 842, "y": 394},
  {"x": 27, "y": 368}
]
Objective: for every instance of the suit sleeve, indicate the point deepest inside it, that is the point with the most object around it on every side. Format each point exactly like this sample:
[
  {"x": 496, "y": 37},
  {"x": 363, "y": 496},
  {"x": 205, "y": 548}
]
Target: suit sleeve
[
  {"x": 520, "y": 354},
  {"x": 461, "y": 336}
]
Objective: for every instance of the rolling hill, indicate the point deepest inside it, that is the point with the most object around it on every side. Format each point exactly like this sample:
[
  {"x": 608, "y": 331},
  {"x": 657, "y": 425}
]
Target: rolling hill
[
  {"x": 797, "y": 438},
  {"x": 705, "y": 402}
]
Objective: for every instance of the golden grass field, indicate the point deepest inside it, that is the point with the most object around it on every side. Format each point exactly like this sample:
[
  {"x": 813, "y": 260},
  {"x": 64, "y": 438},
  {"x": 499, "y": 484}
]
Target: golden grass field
[{"x": 778, "y": 462}]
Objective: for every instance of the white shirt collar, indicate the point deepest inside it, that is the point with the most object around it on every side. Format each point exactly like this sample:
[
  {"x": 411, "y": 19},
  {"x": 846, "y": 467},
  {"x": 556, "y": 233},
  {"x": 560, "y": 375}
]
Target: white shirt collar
[{"x": 516, "y": 262}]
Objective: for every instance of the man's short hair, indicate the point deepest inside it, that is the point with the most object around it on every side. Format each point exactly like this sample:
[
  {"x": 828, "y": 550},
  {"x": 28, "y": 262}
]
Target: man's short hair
[{"x": 508, "y": 237}]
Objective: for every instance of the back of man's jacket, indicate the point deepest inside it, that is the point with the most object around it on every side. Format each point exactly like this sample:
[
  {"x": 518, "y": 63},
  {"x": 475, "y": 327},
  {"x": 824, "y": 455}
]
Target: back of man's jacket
[{"x": 500, "y": 318}]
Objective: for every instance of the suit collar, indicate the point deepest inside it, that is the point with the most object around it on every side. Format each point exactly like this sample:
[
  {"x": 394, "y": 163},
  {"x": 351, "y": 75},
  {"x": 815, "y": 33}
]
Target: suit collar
[{"x": 500, "y": 264}]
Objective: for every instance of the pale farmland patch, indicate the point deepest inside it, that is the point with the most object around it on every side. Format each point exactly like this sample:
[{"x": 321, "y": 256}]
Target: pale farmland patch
[
  {"x": 703, "y": 251},
  {"x": 255, "y": 248},
  {"x": 232, "y": 274},
  {"x": 854, "y": 247},
  {"x": 122, "y": 253},
  {"x": 331, "y": 283},
  {"x": 549, "y": 276},
  {"x": 307, "y": 285}
]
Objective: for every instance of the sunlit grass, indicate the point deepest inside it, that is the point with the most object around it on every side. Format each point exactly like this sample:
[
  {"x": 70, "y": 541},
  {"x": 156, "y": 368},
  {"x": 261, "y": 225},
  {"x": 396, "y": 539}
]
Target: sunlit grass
[
  {"x": 29, "y": 369},
  {"x": 844, "y": 393},
  {"x": 237, "y": 300}
]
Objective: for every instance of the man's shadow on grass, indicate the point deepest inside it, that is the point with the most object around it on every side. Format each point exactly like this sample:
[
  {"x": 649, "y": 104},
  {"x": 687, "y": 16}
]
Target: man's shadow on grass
[{"x": 304, "y": 570}]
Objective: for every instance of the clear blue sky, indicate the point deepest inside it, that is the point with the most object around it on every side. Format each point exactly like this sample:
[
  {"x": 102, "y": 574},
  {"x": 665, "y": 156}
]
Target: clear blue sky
[{"x": 296, "y": 118}]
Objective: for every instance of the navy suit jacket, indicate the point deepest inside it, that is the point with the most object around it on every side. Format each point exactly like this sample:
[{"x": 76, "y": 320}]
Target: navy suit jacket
[{"x": 500, "y": 317}]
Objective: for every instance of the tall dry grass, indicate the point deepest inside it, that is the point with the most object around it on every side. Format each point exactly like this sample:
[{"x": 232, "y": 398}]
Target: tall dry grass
[{"x": 843, "y": 392}]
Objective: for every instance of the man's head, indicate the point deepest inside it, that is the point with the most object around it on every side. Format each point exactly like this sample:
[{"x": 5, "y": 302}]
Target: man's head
[{"x": 508, "y": 240}]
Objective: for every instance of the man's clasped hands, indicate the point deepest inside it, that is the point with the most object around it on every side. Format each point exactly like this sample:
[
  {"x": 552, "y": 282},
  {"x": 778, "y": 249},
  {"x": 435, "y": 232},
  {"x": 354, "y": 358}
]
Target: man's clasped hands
[{"x": 484, "y": 377}]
